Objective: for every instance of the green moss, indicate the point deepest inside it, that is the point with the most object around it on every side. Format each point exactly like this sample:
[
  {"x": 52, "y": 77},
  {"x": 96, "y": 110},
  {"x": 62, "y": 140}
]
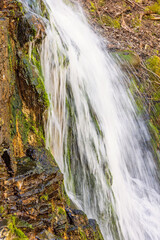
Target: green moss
[
  {"x": 92, "y": 6},
  {"x": 21, "y": 9},
  {"x": 69, "y": 137},
  {"x": 155, "y": 8},
  {"x": 15, "y": 233},
  {"x": 96, "y": 123},
  {"x": 44, "y": 197},
  {"x": 62, "y": 59},
  {"x": 97, "y": 234},
  {"x": 25, "y": 124},
  {"x": 23, "y": 224},
  {"x": 38, "y": 130},
  {"x": 16, "y": 108},
  {"x": 155, "y": 134},
  {"x": 138, "y": 90},
  {"x": 94, "y": 118},
  {"x": 11, "y": 62},
  {"x": 82, "y": 234},
  {"x": 101, "y": 3},
  {"x": 114, "y": 224},
  {"x": 33, "y": 75},
  {"x": 127, "y": 56},
  {"x": 108, "y": 21},
  {"x": 155, "y": 131},
  {"x": 153, "y": 64},
  {"x": 44, "y": 12},
  {"x": 61, "y": 211},
  {"x": 109, "y": 177},
  {"x": 1, "y": 209},
  {"x": 64, "y": 194}
]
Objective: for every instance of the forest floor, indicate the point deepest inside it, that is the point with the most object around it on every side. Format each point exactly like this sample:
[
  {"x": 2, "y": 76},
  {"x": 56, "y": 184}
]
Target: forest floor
[
  {"x": 127, "y": 24},
  {"x": 133, "y": 27}
]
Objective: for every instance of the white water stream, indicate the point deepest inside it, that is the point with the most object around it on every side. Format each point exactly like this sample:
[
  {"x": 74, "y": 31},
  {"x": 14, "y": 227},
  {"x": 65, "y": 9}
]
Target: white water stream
[{"x": 99, "y": 142}]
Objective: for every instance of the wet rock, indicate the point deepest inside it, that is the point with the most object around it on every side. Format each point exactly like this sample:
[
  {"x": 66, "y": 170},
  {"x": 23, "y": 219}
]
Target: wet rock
[
  {"x": 4, "y": 82},
  {"x": 45, "y": 235},
  {"x": 93, "y": 224},
  {"x": 32, "y": 196},
  {"x": 31, "y": 83},
  {"x": 76, "y": 217},
  {"x": 127, "y": 57},
  {"x": 30, "y": 27},
  {"x": 25, "y": 165}
]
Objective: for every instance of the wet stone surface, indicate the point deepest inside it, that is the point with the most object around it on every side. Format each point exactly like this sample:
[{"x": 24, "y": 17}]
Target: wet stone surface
[{"x": 33, "y": 202}]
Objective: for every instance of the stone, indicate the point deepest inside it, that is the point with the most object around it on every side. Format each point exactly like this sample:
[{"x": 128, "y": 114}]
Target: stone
[{"x": 32, "y": 197}]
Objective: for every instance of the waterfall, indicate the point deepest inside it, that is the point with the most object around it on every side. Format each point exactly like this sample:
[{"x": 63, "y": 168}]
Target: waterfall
[{"x": 99, "y": 141}]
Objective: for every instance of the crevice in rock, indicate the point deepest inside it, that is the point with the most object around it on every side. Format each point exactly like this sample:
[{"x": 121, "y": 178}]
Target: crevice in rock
[
  {"x": 1, "y": 4},
  {"x": 7, "y": 160}
]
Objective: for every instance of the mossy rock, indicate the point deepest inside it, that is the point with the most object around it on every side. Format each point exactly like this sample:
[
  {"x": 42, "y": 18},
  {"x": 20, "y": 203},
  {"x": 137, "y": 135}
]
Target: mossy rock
[
  {"x": 15, "y": 233},
  {"x": 153, "y": 64},
  {"x": 32, "y": 82},
  {"x": 25, "y": 165},
  {"x": 127, "y": 57}
]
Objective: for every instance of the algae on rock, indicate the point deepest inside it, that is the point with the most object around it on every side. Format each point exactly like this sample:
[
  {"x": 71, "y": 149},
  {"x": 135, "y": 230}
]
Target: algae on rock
[{"x": 33, "y": 201}]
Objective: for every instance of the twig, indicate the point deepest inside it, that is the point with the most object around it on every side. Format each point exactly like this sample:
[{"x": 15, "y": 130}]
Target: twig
[
  {"x": 123, "y": 11},
  {"x": 134, "y": 3}
]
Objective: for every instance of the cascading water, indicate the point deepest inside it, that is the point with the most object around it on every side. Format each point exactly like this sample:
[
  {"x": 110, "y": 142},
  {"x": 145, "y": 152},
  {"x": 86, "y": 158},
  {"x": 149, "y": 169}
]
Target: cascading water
[{"x": 100, "y": 143}]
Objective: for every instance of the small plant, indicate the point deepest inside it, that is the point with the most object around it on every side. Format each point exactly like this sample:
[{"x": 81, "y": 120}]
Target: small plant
[
  {"x": 93, "y": 7},
  {"x": 44, "y": 197},
  {"x": 82, "y": 234},
  {"x": 108, "y": 21},
  {"x": 1, "y": 209},
  {"x": 15, "y": 233},
  {"x": 61, "y": 211}
]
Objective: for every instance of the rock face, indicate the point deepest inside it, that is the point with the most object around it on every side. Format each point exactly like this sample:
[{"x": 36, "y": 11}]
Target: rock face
[{"x": 33, "y": 202}]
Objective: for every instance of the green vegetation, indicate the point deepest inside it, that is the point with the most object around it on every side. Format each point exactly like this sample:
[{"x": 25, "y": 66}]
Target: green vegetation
[
  {"x": 71, "y": 118},
  {"x": 82, "y": 234},
  {"x": 155, "y": 8},
  {"x": 26, "y": 124},
  {"x": 150, "y": 90},
  {"x": 15, "y": 233},
  {"x": 34, "y": 78},
  {"x": 103, "y": 19},
  {"x": 108, "y": 21},
  {"x": 101, "y": 3},
  {"x": 155, "y": 131},
  {"x": 1, "y": 209},
  {"x": 93, "y": 7},
  {"x": 44, "y": 197},
  {"x": 127, "y": 56},
  {"x": 153, "y": 64},
  {"x": 61, "y": 211}
]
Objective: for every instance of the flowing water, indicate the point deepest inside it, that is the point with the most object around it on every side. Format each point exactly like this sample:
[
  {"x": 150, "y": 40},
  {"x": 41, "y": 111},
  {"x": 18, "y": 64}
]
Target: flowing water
[{"x": 99, "y": 141}]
